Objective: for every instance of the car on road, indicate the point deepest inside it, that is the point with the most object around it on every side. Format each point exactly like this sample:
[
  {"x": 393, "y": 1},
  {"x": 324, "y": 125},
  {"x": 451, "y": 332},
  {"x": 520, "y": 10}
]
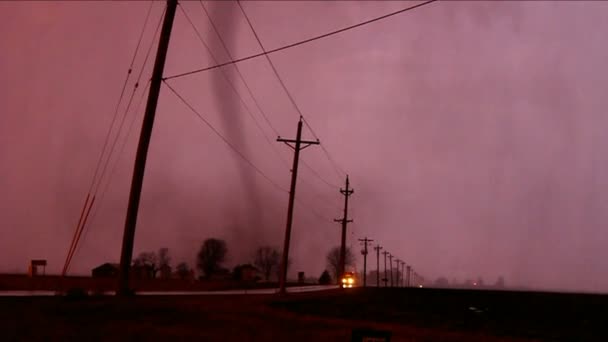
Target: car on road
[{"x": 348, "y": 280}]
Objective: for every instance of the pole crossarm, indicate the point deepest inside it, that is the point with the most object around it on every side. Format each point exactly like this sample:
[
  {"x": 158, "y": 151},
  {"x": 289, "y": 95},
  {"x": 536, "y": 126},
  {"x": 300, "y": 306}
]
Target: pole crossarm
[{"x": 306, "y": 143}]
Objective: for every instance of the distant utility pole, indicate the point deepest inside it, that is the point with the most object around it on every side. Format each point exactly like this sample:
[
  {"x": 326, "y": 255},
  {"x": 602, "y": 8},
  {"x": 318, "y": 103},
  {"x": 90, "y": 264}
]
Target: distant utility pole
[
  {"x": 377, "y": 249},
  {"x": 364, "y": 252},
  {"x": 385, "y": 280},
  {"x": 299, "y": 145},
  {"x": 390, "y": 262},
  {"x": 398, "y": 276},
  {"x": 402, "y": 274},
  {"x": 344, "y": 220},
  {"x": 407, "y": 278},
  {"x": 128, "y": 237}
]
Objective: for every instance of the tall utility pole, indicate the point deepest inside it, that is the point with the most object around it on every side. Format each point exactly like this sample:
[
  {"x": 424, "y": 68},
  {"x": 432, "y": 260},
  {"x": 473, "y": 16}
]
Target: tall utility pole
[
  {"x": 377, "y": 249},
  {"x": 407, "y": 277},
  {"x": 299, "y": 145},
  {"x": 344, "y": 220},
  {"x": 390, "y": 261},
  {"x": 364, "y": 252},
  {"x": 385, "y": 280},
  {"x": 142, "y": 150},
  {"x": 402, "y": 274}
]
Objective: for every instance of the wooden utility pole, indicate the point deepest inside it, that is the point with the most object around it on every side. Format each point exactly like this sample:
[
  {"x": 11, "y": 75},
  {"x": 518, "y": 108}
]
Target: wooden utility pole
[
  {"x": 299, "y": 145},
  {"x": 364, "y": 252},
  {"x": 402, "y": 274},
  {"x": 390, "y": 262},
  {"x": 385, "y": 279},
  {"x": 344, "y": 220},
  {"x": 377, "y": 249},
  {"x": 407, "y": 277},
  {"x": 397, "y": 280},
  {"x": 142, "y": 150}
]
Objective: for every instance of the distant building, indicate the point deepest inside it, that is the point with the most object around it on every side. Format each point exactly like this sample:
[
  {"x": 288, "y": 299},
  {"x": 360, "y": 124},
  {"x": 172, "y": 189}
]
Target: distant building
[
  {"x": 249, "y": 273},
  {"x": 246, "y": 272},
  {"x": 32, "y": 269},
  {"x": 107, "y": 270}
]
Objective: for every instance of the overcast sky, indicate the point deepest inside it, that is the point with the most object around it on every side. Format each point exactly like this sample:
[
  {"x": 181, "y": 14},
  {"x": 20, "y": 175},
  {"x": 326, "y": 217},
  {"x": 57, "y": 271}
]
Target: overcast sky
[{"x": 472, "y": 133}]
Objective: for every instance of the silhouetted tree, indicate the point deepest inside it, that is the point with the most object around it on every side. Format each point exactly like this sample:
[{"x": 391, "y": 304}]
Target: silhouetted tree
[
  {"x": 500, "y": 282},
  {"x": 267, "y": 259},
  {"x": 183, "y": 271},
  {"x": 211, "y": 256},
  {"x": 442, "y": 282},
  {"x": 164, "y": 263},
  {"x": 325, "y": 278},
  {"x": 148, "y": 262},
  {"x": 333, "y": 260}
]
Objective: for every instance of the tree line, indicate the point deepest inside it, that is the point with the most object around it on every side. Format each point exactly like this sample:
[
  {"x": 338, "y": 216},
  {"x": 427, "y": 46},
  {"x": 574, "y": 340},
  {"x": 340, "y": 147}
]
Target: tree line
[{"x": 211, "y": 258}]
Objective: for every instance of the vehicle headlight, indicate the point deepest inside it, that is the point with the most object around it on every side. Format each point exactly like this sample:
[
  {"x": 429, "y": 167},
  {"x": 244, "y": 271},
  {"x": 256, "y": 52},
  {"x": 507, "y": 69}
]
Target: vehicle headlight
[
  {"x": 343, "y": 280},
  {"x": 351, "y": 280}
]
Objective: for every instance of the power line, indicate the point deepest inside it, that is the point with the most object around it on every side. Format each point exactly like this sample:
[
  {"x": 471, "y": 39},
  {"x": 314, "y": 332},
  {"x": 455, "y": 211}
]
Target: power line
[
  {"x": 113, "y": 169},
  {"x": 347, "y": 28},
  {"x": 262, "y": 112},
  {"x": 122, "y": 92},
  {"x": 200, "y": 37},
  {"x": 293, "y": 102},
  {"x": 202, "y": 118},
  {"x": 93, "y": 187},
  {"x": 240, "y": 154},
  {"x": 237, "y": 68},
  {"x": 124, "y": 116}
]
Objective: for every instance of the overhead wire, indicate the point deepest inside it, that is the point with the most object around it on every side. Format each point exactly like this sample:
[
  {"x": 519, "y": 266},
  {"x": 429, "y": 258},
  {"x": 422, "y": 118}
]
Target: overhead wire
[
  {"x": 338, "y": 170},
  {"x": 236, "y": 67},
  {"x": 239, "y": 153},
  {"x": 221, "y": 136},
  {"x": 122, "y": 92},
  {"x": 241, "y": 76},
  {"x": 347, "y": 28},
  {"x": 262, "y": 112},
  {"x": 96, "y": 182},
  {"x": 114, "y": 168},
  {"x": 233, "y": 87}
]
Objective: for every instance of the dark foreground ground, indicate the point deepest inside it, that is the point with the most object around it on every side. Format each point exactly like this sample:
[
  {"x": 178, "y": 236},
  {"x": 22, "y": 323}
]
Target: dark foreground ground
[{"x": 409, "y": 314}]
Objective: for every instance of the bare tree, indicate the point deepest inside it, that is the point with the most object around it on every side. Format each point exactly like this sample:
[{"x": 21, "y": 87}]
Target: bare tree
[
  {"x": 333, "y": 260},
  {"x": 267, "y": 259},
  {"x": 164, "y": 263},
  {"x": 183, "y": 270},
  {"x": 211, "y": 256},
  {"x": 147, "y": 261}
]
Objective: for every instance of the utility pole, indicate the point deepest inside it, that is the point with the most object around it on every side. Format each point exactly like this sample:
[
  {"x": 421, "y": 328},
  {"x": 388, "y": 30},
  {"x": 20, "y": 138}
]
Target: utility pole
[
  {"x": 390, "y": 261},
  {"x": 402, "y": 274},
  {"x": 299, "y": 145},
  {"x": 377, "y": 249},
  {"x": 385, "y": 280},
  {"x": 407, "y": 279},
  {"x": 142, "y": 150},
  {"x": 364, "y": 252},
  {"x": 344, "y": 220},
  {"x": 398, "y": 276}
]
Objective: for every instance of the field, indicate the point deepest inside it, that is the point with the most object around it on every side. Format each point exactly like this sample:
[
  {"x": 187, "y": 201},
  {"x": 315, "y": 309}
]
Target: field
[{"x": 409, "y": 314}]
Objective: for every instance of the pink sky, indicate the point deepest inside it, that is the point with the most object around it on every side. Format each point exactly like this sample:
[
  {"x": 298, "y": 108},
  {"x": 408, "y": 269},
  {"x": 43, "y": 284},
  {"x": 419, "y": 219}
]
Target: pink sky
[{"x": 472, "y": 133}]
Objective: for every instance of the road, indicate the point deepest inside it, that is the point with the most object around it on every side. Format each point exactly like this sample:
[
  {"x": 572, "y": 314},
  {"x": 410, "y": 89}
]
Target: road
[{"x": 294, "y": 289}]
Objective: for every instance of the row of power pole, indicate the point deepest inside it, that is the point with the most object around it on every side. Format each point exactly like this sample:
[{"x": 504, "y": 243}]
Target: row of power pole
[{"x": 405, "y": 275}]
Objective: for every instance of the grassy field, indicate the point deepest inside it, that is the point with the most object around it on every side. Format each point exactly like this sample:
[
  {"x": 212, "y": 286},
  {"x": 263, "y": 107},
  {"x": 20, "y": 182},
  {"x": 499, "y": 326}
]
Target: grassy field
[{"x": 409, "y": 314}]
